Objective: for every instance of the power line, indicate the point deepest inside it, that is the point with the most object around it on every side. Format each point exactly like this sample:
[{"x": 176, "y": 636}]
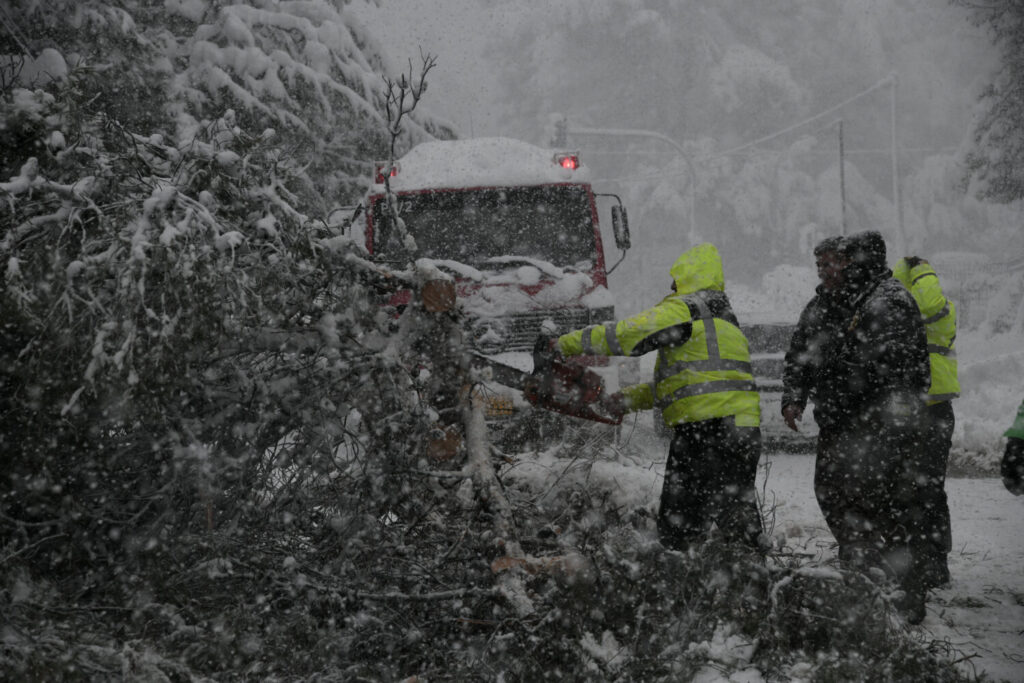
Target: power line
[
  {"x": 887, "y": 81},
  {"x": 768, "y": 152}
]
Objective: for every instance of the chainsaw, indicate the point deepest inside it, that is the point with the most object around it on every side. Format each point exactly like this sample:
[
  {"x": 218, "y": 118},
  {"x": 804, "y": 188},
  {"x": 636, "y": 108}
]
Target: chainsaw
[{"x": 558, "y": 385}]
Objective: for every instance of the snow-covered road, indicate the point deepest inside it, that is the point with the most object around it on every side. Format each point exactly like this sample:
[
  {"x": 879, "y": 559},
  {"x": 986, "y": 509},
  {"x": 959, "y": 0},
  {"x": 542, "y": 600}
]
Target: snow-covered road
[
  {"x": 981, "y": 613},
  {"x": 979, "y": 618}
]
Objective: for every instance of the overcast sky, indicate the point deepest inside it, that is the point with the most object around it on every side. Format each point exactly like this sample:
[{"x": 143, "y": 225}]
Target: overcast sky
[
  {"x": 461, "y": 86},
  {"x": 464, "y": 91}
]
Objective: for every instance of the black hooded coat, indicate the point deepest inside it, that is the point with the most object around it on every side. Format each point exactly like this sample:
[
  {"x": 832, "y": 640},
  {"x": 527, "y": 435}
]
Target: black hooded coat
[
  {"x": 869, "y": 402},
  {"x": 880, "y": 357},
  {"x": 821, "y": 324}
]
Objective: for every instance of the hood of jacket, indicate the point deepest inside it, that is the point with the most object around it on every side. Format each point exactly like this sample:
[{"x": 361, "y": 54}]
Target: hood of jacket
[
  {"x": 901, "y": 271},
  {"x": 904, "y": 267},
  {"x": 866, "y": 254},
  {"x": 698, "y": 268}
]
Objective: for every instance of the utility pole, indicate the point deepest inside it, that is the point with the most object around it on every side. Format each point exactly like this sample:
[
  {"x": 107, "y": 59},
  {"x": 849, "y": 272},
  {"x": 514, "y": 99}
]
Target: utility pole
[
  {"x": 842, "y": 182},
  {"x": 897, "y": 203},
  {"x": 560, "y": 138}
]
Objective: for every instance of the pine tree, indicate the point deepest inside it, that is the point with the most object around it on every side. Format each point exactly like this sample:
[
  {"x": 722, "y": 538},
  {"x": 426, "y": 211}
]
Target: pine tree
[
  {"x": 996, "y": 162},
  {"x": 185, "y": 336}
]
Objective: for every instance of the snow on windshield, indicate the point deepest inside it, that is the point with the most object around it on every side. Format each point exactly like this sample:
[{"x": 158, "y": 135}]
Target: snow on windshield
[{"x": 476, "y": 226}]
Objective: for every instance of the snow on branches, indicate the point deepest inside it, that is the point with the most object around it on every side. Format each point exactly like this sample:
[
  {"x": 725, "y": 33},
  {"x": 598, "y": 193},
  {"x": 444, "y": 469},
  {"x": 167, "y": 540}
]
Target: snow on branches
[
  {"x": 308, "y": 69},
  {"x": 172, "y": 297}
]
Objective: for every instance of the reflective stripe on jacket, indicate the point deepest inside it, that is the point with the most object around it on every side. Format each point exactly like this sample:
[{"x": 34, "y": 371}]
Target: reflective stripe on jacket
[
  {"x": 939, "y": 316},
  {"x": 703, "y": 366}
]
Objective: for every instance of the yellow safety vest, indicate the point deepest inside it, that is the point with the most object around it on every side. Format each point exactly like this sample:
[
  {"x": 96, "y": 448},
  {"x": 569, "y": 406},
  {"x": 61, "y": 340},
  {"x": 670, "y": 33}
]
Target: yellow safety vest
[
  {"x": 707, "y": 376},
  {"x": 939, "y": 316}
]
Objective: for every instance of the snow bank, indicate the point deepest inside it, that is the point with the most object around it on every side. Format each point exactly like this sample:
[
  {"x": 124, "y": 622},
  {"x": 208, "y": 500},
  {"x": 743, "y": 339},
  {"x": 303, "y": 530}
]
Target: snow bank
[
  {"x": 991, "y": 388},
  {"x": 783, "y": 293}
]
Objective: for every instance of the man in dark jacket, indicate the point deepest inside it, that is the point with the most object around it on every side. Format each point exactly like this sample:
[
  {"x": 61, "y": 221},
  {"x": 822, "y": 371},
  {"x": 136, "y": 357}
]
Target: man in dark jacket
[
  {"x": 821, "y": 323},
  {"x": 869, "y": 404}
]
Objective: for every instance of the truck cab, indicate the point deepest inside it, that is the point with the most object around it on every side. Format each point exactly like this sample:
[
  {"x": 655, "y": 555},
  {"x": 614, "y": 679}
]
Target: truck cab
[{"x": 516, "y": 225}]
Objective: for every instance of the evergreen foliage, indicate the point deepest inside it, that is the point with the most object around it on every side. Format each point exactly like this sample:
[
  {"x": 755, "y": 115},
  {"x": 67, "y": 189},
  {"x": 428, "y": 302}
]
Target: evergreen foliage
[{"x": 995, "y": 164}]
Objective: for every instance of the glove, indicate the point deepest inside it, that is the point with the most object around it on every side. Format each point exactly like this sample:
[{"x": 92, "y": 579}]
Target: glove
[
  {"x": 544, "y": 351},
  {"x": 545, "y": 343},
  {"x": 1012, "y": 466},
  {"x": 791, "y": 414},
  {"x": 615, "y": 404}
]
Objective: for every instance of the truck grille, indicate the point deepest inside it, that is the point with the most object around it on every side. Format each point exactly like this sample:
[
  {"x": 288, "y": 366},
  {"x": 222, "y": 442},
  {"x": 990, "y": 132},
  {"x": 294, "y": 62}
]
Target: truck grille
[{"x": 519, "y": 331}]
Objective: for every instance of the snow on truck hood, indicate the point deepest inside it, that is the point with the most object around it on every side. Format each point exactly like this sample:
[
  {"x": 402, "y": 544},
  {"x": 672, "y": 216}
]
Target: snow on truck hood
[
  {"x": 479, "y": 162},
  {"x": 488, "y": 294},
  {"x": 529, "y": 272},
  {"x": 492, "y": 302}
]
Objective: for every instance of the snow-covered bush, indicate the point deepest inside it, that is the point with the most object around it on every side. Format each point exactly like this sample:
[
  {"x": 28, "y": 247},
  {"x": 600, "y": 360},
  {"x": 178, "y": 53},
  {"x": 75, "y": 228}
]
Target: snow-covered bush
[
  {"x": 170, "y": 316},
  {"x": 306, "y": 70},
  {"x": 195, "y": 367}
]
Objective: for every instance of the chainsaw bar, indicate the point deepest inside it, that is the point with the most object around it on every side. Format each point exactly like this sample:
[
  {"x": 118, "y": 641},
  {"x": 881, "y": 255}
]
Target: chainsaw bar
[
  {"x": 505, "y": 375},
  {"x": 556, "y": 385}
]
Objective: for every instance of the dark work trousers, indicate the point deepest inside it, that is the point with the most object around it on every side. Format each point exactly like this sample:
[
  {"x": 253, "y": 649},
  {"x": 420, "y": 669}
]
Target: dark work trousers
[
  {"x": 854, "y": 476},
  {"x": 709, "y": 479},
  {"x": 922, "y": 500}
]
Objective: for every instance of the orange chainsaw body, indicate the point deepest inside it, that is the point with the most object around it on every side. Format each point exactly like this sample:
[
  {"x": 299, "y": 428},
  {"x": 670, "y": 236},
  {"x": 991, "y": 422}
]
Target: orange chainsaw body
[{"x": 568, "y": 388}]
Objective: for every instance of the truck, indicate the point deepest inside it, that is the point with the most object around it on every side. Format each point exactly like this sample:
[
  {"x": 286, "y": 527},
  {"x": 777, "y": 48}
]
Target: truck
[{"x": 516, "y": 225}]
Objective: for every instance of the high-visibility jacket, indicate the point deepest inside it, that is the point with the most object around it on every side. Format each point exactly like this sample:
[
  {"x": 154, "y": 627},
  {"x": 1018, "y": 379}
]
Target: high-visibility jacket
[
  {"x": 939, "y": 316},
  {"x": 703, "y": 367}
]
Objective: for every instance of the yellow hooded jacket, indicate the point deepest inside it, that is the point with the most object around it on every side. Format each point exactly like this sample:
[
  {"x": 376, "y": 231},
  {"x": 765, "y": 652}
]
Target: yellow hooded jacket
[
  {"x": 701, "y": 376},
  {"x": 939, "y": 316}
]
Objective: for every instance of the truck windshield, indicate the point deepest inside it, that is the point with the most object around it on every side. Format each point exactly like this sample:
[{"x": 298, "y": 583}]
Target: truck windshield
[{"x": 550, "y": 223}]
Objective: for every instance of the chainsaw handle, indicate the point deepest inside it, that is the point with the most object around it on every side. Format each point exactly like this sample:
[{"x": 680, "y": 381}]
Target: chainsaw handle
[
  {"x": 614, "y": 404},
  {"x": 544, "y": 351}
]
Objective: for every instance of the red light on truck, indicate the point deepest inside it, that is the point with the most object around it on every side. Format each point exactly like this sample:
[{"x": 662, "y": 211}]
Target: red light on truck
[
  {"x": 379, "y": 174},
  {"x": 569, "y": 161}
]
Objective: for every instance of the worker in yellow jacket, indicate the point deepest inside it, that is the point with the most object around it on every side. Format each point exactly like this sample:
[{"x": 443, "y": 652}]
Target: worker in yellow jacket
[
  {"x": 926, "y": 474},
  {"x": 705, "y": 389}
]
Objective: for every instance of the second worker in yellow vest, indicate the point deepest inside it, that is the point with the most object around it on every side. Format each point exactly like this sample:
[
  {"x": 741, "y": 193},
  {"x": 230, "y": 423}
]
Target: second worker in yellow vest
[
  {"x": 705, "y": 390},
  {"x": 938, "y": 313}
]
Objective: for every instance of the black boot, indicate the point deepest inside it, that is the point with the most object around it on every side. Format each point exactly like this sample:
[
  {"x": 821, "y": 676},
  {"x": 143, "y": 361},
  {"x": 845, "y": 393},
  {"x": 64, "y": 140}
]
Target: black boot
[
  {"x": 935, "y": 573},
  {"x": 911, "y": 603}
]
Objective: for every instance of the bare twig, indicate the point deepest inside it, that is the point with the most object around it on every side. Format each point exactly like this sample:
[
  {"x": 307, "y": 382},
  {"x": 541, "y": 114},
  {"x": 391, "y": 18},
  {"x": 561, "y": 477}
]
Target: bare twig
[
  {"x": 426, "y": 597},
  {"x": 27, "y": 548},
  {"x": 400, "y": 98}
]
